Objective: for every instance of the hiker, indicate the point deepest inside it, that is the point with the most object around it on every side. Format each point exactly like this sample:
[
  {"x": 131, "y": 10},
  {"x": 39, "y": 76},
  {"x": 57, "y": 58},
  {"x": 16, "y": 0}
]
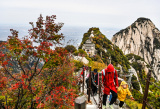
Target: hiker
[
  {"x": 83, "y": 69},
  {"x": 87, "y": 83},
  {"x": 80, "y": 78},
  {"x": 110, "y": 83},
  {"x": 94, "y": 82},
  {"x": 122, "y": 92},
  {"x": 86, "y": 74}
]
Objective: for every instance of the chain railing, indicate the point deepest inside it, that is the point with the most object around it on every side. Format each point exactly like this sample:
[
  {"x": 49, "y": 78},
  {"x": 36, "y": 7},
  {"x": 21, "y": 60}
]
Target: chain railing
[
  {"x": 146, "y": 90},
  {"x": 100, "y": 89},
  {"x": 89, "y": 90},
  {"x": 154, "y": 84},
  {"x": 148, "y": 82}
]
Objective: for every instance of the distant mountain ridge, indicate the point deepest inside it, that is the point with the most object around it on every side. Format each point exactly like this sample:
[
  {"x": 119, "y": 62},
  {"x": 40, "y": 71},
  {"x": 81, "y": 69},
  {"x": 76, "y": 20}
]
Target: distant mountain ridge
[{"x": 141, "y": 38}]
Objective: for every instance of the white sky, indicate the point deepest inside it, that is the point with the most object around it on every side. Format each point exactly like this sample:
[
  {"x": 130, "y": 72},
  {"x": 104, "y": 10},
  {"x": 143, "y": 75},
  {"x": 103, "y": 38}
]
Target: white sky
[{"x": 91, "y": 13}]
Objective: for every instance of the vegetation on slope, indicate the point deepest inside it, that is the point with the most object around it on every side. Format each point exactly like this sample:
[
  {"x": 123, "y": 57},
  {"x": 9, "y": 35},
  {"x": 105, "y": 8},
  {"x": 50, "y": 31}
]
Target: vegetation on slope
[
  {"x": 107, "y": 49},
  {"x": 154, "y": 92}
]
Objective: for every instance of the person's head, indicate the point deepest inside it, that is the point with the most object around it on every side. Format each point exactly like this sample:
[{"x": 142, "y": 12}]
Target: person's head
[
  {"x": 124, "y": 85},
  {"x": 95, "y": 70},
  {"x": 110, "y": 68}
]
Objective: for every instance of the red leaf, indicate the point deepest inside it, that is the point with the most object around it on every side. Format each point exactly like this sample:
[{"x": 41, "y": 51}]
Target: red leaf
[
  {"x": 2, "y": 55},
  {"x": 24, "y": 76},
  {"x": 5, "y": 63},
  {"x": 47, "y": 98},
  {"x": 46, "y": 60}
]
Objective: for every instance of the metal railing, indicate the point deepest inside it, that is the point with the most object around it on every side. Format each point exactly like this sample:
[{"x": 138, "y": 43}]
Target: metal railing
[
  {"x": 100, "y": 89},
  {"x": 89, "y": 90},
  {"x": 148, "y": 82}
]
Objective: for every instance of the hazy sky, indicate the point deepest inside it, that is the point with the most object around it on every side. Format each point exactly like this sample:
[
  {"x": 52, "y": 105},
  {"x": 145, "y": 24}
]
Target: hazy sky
[{"x": 92, "y": 13}]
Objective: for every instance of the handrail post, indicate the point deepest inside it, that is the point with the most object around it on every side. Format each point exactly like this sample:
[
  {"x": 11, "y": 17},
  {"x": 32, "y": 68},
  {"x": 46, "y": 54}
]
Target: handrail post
[
  {"x": 100, "y": 90},
  {"x": 146, "y": 89},
  {"x": 83, "y": 79},
  {"x": 89, "y": 84}
]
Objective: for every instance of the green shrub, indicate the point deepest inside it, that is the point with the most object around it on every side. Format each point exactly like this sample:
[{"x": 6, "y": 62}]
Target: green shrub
[
  {"x": 137, "y": 95},
  {"x": 80, "y": 52},
  {"x": 70, "y": 48},
  {"x": 133, "y": 104},
  {"x": 135, "y": 83},
  {"x": 78, "y": 64}
]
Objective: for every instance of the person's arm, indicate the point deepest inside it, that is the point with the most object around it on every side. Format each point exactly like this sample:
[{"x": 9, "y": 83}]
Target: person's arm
[
  {"x": 96, "y": 77},
  {"x": 82, "y": 72},
  {"x": 129, "y": 94},
  {"x": 83, "y": 69},
  {"x": 102, "y": 77},
  {"x": 116, "y": 79},
  {"x": 119, "y": 90}
]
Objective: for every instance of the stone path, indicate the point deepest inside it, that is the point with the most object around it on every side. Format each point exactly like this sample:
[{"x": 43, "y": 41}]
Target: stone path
[{"x": 93, "y": 105}]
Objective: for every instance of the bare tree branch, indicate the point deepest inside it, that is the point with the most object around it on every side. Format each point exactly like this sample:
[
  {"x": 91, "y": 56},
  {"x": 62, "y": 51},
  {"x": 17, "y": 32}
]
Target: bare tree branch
[{"x": 10, "y": 74}]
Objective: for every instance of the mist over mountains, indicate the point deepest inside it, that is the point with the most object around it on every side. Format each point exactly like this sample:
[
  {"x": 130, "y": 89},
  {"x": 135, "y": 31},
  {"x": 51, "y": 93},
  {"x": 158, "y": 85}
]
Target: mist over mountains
[{"x": 70, "y": 32}]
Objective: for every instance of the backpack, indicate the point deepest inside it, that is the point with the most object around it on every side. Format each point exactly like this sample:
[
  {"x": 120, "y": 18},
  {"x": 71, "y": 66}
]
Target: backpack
[{"x": 105, "y": 72}]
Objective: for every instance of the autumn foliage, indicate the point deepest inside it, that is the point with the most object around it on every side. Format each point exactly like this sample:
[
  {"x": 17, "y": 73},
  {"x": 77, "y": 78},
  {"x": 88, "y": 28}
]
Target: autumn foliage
[{"x": 35, "y": 72}]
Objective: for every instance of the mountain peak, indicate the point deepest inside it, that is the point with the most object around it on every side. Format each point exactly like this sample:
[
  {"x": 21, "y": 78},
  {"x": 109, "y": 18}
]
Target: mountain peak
[
  {"x": 141, "y": 38},
  {"x": 140, "y": 23},
  {"x": 141, "y": 19}
]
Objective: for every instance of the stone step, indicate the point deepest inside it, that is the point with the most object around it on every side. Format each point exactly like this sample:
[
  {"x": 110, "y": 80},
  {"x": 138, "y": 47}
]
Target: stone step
[{"x": 91, "y": 106}]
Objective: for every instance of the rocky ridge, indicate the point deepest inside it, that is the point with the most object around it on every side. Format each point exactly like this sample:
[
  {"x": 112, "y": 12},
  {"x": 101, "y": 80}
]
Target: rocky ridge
[{"x": 141, "y": 38}]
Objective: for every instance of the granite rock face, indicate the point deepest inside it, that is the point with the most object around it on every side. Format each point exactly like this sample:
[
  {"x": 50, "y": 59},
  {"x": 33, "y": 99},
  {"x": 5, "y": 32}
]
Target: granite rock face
[{"x": 141, "y": 38}]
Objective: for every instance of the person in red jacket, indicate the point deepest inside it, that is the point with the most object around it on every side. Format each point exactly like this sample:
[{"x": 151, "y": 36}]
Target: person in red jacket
[{"x": 110, "y": 83}]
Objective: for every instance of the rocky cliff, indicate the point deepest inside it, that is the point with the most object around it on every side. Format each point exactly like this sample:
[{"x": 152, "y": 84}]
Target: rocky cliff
[{"x": 141, "y": 38}]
